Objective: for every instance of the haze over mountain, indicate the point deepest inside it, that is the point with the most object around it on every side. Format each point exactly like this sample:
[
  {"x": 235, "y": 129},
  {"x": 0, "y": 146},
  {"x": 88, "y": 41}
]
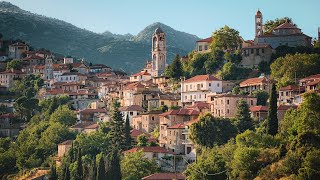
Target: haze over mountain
[{"x": 127, "y": 52}]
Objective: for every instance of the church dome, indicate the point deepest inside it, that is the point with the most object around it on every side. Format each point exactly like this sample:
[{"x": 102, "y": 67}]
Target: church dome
[{"x": 158, "y": 31}]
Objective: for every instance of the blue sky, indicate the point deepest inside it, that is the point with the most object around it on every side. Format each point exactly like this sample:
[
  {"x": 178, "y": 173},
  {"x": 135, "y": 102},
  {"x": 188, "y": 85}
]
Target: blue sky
[{"x": 199, "y": 17}]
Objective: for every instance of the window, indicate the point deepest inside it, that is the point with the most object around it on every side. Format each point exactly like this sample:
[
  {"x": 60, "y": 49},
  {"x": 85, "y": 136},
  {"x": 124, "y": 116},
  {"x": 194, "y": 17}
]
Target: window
[
  {"x": 221, "y": 101},
  {"x": 228, "y": 101},
  {"x": 209, "y": 84},
  {"x": 131, "y": 113},
  {"x": 287, "y": 93},
  {"x": 228, "y": 111},
  {"x": 162, "y": 103},
  {"x": 212, "y": 98},
  {"x": 281, "y": 93},
  {"x": 185, "y": 97},
  {"x": 199, "y": 96},
  {"x": 252, "y": 51},
  {"x": 201, "y": 85},
  {"x": 205, "y": 95},
  {"x": 218, "y": 84},
  {"x": 200, "y": 48},
  {"x": 152, "y": 118},
  {"x": 257, "y": 51},
  {"x": 195, "y": 97},
  {"x": 190, "y": 86},
  {"x": 205, "y": 47},
  {"x": 251, "y": 102},
  {"x": 262, "y": 50}
]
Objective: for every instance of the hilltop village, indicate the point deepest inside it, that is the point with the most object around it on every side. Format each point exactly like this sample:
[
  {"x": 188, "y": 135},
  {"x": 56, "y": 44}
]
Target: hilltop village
[{"x": 167, "y": 113}]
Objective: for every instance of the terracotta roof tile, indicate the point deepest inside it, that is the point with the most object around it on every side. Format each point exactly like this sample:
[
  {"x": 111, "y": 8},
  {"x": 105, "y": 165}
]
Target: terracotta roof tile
[
  {"x": 286, "y": 25},
  {"x": 181, "y": 112},
  {"x": 292, "y": 88},
  {"x": 253, "y": 81},
  {"x": 208, "y": 40},
  {"x": 202, "y": 78},
  {"x": 177, "y": 126},
  {"x": 258, "y": 108},
  {"x": 141, "y": 74}
]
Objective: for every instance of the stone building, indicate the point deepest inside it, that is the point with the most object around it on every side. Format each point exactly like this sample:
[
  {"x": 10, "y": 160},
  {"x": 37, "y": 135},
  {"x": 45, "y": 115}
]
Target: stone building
[{"x": 255, "y": 54}]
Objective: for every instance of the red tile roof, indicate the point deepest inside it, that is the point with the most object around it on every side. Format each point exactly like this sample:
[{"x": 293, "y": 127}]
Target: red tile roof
[
  {"x": 92, "y": 126},
  {"x": 141, "y": 74},
  {"x": 181, "y": 112},
  {"x": 165, "y": 176},
  {"x": 132, "y": 108},
  {"x": 208, "y": 40},
  {"x": 200, "y": 105},
  {"x": 39, "y": 67},
  {"x": 258, "y": 108},
  {"x": 132, "y": 86},
  {"x": 12, "y": 72},
  {"x": 33, "y": 57},
  {"x": 177, "y": 126},
  {"x": 313, "y": 83},
  {"x": 286, "y": 25},
  {"x": 135, "y": 133},
  {"x": 202, "y": 78},
  {"x": 286, "y": 107},
  {"x": 292, "y": 88},
  {"x": 253, "y": 81},
  {"x": 154, "y": 149},
  {"x": 312, "y": 77}
]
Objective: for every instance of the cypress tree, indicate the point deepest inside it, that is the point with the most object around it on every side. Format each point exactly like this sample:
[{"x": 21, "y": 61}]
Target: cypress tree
[
  {"x": 101, "y": 172},
  {"x": 175, "y": 69},
  {"x": 243, "y": 119},
  {"x": 117, "y": 127},
  {"x": 79, "y": 165},
  {"x": 114, "y": 170},
  {"x": 272, "y": 126},
  {"x": 127, "y": 135},
  {"x": 67, "y": 174},
  {"x": 94, "y": 170},
  {"x": 53, "y": 173}
]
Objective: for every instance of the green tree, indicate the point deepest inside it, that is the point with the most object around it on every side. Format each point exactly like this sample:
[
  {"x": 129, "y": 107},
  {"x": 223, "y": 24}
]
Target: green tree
[
  {"x": 127, "y": 134},
  {"x": 226, "y": 38},
  {"x": 244, "y": 163},
  {"x": 209, "y": 165},
  {"x": 286, "y": 69},
  {"x": 25, "y": 107},
  {"x": 53, "y": 173},
  {"x": 175, "y": 70},
  {"x": 262, "y": 97},
  {"x": 79, "y": 165},
  {"x": 14, "y": 64},
  {"x": 67, "y": 174},
  {"x": 272, "y": 126},
  {"x": 211, "y": 131},
  {"x": 114, "y": 170},
  {"x": 271, "y": 24},
  {"x": 117, "y": 127},
  {"x": 236, "y": 90},
  {"x": 63, "y": 115},
  {"x": 136, "y": 166},
  {"x": 264, "y": 67},
  {"x": 101, "y": 172},
  {"x": 142, "y": 140},
  {"x": 243, "y": 119},
  {"x": 310, "y": 166}
]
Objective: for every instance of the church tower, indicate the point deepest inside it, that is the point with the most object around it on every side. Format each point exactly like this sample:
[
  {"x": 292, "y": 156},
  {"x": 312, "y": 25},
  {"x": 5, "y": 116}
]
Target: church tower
[
  {"x": 158, "y": 53},
  {"x": 49, "y": 68},
  {"x": 258, "y": 22}
]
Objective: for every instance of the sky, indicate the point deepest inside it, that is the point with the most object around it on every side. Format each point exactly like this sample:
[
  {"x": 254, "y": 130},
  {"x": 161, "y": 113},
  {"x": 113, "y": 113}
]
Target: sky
[{"x": 199, "y": 17}]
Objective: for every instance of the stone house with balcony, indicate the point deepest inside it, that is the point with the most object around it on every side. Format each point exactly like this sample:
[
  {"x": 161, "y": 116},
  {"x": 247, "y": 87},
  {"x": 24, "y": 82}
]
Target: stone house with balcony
[
  {"x": 16, "y": 50},
  {"x": 259, "y": 113},
  {"x": 146, "y": 122},
  {"x": 190, "y": 149},
  {"x": 172, "y": 118},
  {"x": 167, "y": 99},
  {"x": 140, "y": 76},
  {"x": 203, "y": 45},
  {"x": 225, "y": 105},
  {"x": 72, "y": 77},
  {"x": 288, "y": 93},
  {"x": 306, "y": 80},
  {"x": 253, "y": 84},
  {"x": 198, "y": 87},
  {"x": 175, "y": 138},
  {"x": 7, "y": 77},
  {"x": 131, "y": 111}
]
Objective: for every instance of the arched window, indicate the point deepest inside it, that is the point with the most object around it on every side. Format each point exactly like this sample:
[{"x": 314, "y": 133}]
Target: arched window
[{"x": 154, "y": 43}]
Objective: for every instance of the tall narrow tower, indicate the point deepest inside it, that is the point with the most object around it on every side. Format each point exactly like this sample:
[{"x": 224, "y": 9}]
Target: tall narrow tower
[
  {"x": 258, "y": 22},
  {"x": 49, "y": 68},
  {"x": 159, "y": 52}
]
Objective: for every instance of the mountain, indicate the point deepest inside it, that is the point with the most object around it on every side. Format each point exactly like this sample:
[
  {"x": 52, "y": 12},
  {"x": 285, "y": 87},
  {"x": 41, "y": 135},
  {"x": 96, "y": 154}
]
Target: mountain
[{"x": 127, "y": 52}]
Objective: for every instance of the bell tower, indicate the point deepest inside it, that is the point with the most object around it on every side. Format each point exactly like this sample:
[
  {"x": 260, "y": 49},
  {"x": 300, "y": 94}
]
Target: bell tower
[
  {"x": 158, "y": 53},
  {"x": 258, "y": 22}
]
